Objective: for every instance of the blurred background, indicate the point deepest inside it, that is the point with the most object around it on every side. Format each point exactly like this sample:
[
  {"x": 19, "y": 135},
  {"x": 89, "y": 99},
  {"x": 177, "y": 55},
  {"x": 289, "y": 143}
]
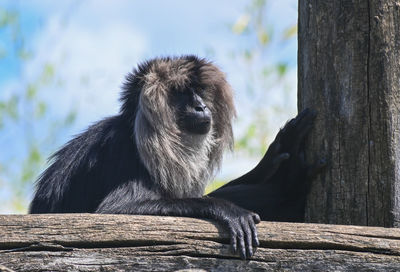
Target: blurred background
[{"x": 62, "y": 64}]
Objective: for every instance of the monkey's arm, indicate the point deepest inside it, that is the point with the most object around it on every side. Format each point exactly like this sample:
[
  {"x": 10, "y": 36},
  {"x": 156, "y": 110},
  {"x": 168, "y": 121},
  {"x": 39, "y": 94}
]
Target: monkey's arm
[
  {"x": 276, "y": 188},
  {"x": 136, "y": 198}
]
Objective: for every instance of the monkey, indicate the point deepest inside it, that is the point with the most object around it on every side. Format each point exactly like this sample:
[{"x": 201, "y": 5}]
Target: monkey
[{"x": 156, "y": 156}]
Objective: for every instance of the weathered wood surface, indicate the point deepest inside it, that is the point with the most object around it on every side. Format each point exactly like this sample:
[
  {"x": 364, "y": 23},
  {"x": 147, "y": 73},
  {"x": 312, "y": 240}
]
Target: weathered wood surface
[
  {"x": 88, "y": 242},
  {"x": 349, "y": 71}
]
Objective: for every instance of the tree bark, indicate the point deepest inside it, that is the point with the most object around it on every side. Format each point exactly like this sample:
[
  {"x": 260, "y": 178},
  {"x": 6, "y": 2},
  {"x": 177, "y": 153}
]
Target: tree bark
[
  {"x": 349, "y": 71},
  {"x": 93, "y": 242}
]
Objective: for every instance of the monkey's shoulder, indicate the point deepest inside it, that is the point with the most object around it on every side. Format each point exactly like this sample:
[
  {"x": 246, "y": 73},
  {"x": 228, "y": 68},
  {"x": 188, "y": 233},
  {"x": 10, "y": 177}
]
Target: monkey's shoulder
[
  {"x": 100, "y": 152},
  {"x": 99, "y": 136}
]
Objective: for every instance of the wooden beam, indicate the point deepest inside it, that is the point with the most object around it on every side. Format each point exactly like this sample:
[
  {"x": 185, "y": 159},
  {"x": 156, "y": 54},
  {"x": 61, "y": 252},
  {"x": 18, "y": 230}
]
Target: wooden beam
[{"x": 90, "y": 242}]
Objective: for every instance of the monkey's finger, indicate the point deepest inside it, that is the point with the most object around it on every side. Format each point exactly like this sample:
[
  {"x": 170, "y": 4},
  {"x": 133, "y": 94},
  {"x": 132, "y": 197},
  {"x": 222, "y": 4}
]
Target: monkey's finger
[
  {"x": 307, "y": 118},
  {"x": 233, "y": 241},
  {"x": 275, "y": 165},
  {"x": 273, "y": 148},
  {"x": 306, "y": 115},
  {"x": 256, "y": 218},
  {"x": 241, "y": 244},
  {"x": 293, "y": 123},
  {"x": 316, "y": 168},
  {"x": 301, "y": 136},
  {"x": 248, "y": 237},
  {"x": 271, "y": 153},
  {"x": 290, "y": 126},
  {"x": 277, "y": 161},
  {"x": 253, "y": 228}
]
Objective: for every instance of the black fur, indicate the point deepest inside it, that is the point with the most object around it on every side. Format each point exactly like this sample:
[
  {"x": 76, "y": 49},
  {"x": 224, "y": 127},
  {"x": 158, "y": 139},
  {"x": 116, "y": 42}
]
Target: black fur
[{"x": 277, "y": 187}]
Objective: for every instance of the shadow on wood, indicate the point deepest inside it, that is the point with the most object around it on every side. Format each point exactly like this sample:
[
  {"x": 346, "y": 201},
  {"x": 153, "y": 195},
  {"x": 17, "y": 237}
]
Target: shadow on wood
[{"x": 89, "y": 242}]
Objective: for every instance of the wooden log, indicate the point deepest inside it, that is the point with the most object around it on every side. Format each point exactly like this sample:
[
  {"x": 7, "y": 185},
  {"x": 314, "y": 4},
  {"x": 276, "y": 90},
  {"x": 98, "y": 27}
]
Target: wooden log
[{"x": 90, "y": 242}]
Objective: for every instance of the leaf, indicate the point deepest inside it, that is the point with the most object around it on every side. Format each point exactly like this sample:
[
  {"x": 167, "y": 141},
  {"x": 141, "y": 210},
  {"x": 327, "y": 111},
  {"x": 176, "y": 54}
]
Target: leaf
[
  {"x": 248, "y": 55},
  {"x": 259, "y": 3},
  {"x": 48, "y": 73},
  {"x": 241, "y": 143},
  {"x": 34, "y": 155},
  {"x": 266, "y": 71},
  {"x": 7, "y": 18},
  {"x": 12, "y": 107},
  {"x": 290, "y": 32},
  {"x": 70, "y": 119},
  {"x": 24, "y": 54},
  {"x": 244, "y": 141},
  {"x": 40, "y": 109},
  {"x": 263, "y": 37},
  {"x": 282, "y": 69},
  {"x": 251, "y": 131},
  {"x": 31, "y": 91},
  {"x": 241, "y": 24}
]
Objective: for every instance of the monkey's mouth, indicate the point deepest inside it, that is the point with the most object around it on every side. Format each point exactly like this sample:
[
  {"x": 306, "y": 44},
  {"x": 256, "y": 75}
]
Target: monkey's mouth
[{"x": 196, "y": 123}]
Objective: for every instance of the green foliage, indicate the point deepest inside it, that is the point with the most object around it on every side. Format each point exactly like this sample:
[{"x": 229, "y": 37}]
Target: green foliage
[
  {"x": 8, "y": 108},
  {"x": 23, "y": 111},
  {"x": 8, "y": 18},
  {"x": 214, "y": 186},
  {"x": 34, "y": 158},
  {"x": 70, "y": 118},
  {"x": 253, "y": 26},
  {"x": 241, "y": 24},
  {"x": 281, "y": 68},
  {"x": 262, "y": 76},
  {"x": 47, "y": 74},
  {"x": 290, "y": 32}
]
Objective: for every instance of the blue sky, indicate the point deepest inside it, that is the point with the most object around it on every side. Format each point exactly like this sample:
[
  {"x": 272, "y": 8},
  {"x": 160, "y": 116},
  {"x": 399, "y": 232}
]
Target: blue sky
[
  {"x": 158, "y": 27},
  {"x": 93, "y": 44}
]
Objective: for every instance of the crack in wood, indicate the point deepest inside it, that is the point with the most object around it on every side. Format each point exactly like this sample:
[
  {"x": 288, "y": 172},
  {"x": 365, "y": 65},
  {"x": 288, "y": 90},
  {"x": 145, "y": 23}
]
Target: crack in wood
[
  {"x": 326, "y": 246},
  {"x": 323, "y": 246}
]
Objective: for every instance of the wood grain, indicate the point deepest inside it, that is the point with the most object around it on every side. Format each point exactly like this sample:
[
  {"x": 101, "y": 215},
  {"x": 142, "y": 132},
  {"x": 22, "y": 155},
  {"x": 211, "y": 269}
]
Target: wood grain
[
  {"x": 349, "y": 72},
  {"x": 89, "y": 242}
]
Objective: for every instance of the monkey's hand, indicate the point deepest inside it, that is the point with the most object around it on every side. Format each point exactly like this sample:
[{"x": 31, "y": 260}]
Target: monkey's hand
[
  {"x": 291, "y": 141},
  {"x": 286, "y": 147},
  {"x": 276, "y": 189},
  {"x": 288, "y": 143},
  {"x": 241, "y": 223},
  {"x": 293, "y": 177},
  {"x": 243, "y": 232}
]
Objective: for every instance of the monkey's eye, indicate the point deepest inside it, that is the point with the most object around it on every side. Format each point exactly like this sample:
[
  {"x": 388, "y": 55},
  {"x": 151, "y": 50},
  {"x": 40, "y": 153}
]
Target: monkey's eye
[
  {"x": 179, "y": 99},
  {"x": 200, "y": 92}
]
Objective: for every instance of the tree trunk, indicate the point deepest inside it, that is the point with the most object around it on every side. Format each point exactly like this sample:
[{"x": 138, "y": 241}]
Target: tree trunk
[{"x": 349, "y": 71}]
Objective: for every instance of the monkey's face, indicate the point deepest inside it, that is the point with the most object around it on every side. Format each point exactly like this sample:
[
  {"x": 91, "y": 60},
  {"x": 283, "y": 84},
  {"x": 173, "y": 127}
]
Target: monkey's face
[
  {"x": 193, "y": 114},
  {"x": 175, "y": 96}
]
